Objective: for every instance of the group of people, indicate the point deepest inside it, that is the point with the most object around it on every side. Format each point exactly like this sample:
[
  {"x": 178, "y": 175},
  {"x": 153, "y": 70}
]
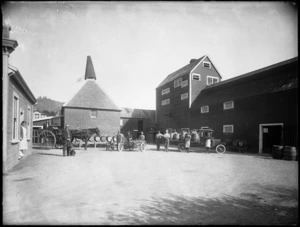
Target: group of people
[{"x": 167, "y": 137}]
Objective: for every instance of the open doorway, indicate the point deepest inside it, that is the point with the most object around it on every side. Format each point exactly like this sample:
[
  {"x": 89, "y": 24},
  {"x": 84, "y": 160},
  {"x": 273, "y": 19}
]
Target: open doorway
[{"x": 269, "y": 135}]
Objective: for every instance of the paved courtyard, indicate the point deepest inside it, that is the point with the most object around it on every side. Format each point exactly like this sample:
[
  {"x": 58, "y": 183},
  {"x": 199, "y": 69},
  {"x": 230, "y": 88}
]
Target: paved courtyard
[{"x": 150, "y": 187}]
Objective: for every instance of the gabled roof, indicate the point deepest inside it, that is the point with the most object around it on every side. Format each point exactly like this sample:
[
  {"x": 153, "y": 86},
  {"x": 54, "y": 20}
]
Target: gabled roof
[
  {"x": 17, "y": 77},
  {"x": 180, "y": 72},
  {"x": 137, "y": 113},
  {"x": 91, "y": 96}
]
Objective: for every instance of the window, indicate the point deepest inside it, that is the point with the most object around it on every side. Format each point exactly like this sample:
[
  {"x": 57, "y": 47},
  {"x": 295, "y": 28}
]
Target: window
[
  {"x": 196, "y": 76},
  {"x": 177, "y": 82},
  {"x": 212, "y": 80},
  {"x": 36, "y": 116},
  {"x": 29, "y": 116},
  {"x": 93, "y": 113},
  {"x": 227, "y": 128},
  {"x": 184, "y": 83},
  {"x": 204, "y": 109},
  {"x": 228, "y": 105},
  {"x": 165, "y": 102},
  {"x": 165, "y": 91},
  {"x": 184, "y": 96},
  {"x": 15, "y": 135},
  {"x": 206, "y": 64},
  {"x": 121, "y": 122}
]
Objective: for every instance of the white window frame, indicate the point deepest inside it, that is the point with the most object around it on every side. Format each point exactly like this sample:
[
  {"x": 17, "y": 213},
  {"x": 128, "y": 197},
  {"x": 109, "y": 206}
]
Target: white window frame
[
  {"x": 165, "y": 91},
  {"x": 212, "y": 77},
  {"x": 206, "y": 62},
  {"x": 15, "y": 128},
  {"x": 165, "y": 102},
  {"x": 121, "y": 122},
  {"x": 196, "y": 74},
  {"x": 184, "y": 96},
  {"x": 226, "y": 107},
  {"x": 92, "y": 113},
  {"x": 202, "y": 109},
  {"x": 177, "y": 82},
  {"x": 184, "y": 83},
  {"x": 232, "y": 128}
]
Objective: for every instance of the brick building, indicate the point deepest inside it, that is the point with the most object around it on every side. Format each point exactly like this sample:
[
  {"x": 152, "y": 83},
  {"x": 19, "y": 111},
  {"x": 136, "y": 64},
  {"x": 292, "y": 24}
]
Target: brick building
[
  {"x": 178, "y": 91},
  {"x": 91, "y": 107},
  {"x": 18, "y": 102}
]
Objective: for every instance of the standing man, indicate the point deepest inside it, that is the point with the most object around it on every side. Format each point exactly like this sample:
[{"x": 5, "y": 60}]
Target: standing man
[
  {"x": 129, "y": 136},
  {"x": 67, "y": 140},
  {"x": 167, "y": 140},
  {"x": 187, "y": 141},
  {"x": 142, "y": 136},
  {"x": 119, "y": 140},
  {"x": 158, "y": 140}
]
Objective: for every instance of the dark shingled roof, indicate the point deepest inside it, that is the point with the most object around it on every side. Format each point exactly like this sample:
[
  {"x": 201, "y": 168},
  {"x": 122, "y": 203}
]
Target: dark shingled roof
[
  {"x": 89, "y": 70},
  {"x": 180, "y": 72},
  {"x": 138, "y": 113},
  {"x": 92, "y": 96}
]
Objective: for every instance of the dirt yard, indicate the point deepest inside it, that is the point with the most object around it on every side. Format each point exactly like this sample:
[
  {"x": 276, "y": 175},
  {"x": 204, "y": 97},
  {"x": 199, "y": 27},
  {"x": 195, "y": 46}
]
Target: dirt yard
[{"x": 150, "y": 187}]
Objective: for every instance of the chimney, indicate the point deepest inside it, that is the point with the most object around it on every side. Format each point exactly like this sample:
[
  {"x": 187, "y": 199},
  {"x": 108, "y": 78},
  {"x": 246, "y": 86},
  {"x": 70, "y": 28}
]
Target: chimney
[
  {"x": 89, "y": 70},
  {"x": 5, "y": 31},
  {"x": 193, "y": 60}
]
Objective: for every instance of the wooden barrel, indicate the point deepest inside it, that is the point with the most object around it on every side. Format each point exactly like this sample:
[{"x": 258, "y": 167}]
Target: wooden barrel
[
  {"x": 103, "y": 139},
  {"x": 108, "y": 138},
  {"x": 182, "y": 135},
  {"x": 289, "y": 153},
  {"x": 277, "y": 152}
]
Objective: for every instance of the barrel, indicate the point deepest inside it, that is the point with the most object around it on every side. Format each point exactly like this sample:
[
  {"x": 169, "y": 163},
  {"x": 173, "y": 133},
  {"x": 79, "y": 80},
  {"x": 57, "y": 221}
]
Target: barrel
[
  {"x": 289, "y": 153},
  {"x": 182, "y": 135},
  {"x": 277, "y": 152},
  {"x": 103, "y": 139},
  {"x": 108, "y": 138}
]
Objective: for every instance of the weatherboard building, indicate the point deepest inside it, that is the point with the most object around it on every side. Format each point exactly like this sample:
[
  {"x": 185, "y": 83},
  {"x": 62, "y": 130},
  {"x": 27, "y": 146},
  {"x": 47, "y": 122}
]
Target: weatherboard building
[{"x": 260, "y": 107}]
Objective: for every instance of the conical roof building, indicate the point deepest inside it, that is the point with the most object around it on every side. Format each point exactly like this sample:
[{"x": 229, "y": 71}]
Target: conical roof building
[{"x": 91, "y": 106}]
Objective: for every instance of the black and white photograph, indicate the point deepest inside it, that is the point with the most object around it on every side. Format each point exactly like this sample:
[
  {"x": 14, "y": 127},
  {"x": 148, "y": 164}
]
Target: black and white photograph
[{"x": 150, "y": 113}]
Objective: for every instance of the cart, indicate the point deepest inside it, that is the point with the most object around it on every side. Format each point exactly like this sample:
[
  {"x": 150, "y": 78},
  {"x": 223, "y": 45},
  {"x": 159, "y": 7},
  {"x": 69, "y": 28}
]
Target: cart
[{"x": 132, "y": 144}]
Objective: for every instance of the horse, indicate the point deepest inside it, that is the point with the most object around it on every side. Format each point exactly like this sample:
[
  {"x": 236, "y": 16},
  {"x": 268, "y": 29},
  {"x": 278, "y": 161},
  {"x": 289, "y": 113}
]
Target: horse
[{"x": 84, "y": 134}]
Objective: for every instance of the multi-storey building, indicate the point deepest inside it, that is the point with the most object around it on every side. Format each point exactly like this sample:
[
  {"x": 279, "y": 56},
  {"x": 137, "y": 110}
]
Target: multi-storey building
[{"x": 177, "y": 92}]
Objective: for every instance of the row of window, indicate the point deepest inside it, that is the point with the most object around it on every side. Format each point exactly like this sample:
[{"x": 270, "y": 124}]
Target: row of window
[
  {"x": 19, "y": 116},
  {"x": 226, "y": 128},
  {"x": 226, "y": 106},
  {"x": 178, "y": 82},
  {"x": 167, "y": 101}
]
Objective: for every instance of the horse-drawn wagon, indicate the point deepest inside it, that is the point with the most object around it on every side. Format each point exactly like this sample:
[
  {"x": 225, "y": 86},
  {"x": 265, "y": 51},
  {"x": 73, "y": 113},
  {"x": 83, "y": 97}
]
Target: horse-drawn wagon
[{"x": 125, "y": 144}]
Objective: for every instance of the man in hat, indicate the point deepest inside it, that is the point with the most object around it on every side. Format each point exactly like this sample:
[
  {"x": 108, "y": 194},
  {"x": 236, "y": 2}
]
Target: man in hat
[{"x": 67, "y": 140}]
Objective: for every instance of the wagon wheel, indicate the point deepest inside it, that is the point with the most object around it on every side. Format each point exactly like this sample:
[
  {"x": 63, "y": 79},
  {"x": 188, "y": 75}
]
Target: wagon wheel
[
  {"x": 48, "y": 139},
  {"x": 142, "y": 146},
  {"x": 220, "y": 149}
]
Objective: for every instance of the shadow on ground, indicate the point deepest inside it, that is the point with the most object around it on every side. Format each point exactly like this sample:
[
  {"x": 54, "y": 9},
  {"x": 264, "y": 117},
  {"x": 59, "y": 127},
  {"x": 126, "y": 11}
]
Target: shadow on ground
[{"x": 243, "y": 210}]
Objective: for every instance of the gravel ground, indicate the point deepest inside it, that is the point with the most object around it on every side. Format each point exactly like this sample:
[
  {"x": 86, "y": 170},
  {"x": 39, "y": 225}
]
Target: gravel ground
[{"x": 150, "y": 187}]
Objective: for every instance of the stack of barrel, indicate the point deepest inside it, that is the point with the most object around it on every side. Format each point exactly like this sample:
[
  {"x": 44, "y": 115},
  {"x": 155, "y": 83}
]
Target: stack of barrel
[{"x": 285, "y": 153}]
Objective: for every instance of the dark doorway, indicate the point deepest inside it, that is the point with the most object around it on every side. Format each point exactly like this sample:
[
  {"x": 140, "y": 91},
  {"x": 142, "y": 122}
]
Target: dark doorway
[
  {"x": 272, "y": 135},
  {"x": 140, "y": 125}
]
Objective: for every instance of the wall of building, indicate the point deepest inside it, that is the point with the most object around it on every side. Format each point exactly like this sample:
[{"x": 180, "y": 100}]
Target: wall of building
[
  {"x": 13, "y": 145},
  {"x": 256, "y": 101},
  {"x": 107, "y": 121},
  {"x": 173, "y": 115},
  {"x": 198, "y": 86},
  {"x": 130, "y": 124}
]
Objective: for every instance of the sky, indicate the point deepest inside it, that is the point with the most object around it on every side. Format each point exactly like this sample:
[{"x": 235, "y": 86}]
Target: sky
[{"x": 135, "y": 45}]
